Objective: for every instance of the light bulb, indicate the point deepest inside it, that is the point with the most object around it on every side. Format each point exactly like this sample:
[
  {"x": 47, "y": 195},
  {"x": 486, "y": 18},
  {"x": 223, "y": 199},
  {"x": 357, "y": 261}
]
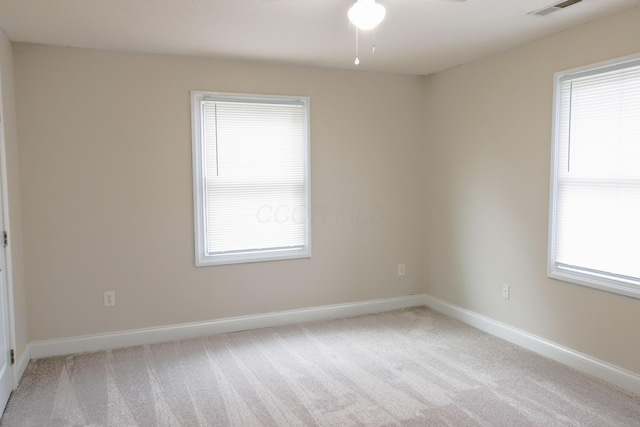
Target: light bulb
[
  {"x": 366, "y": 14},
  {"x": 357, "y": 61}
]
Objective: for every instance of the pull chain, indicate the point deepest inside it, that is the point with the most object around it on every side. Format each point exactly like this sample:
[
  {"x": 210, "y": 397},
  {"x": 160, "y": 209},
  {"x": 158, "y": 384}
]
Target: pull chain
[
  {"x": 374, "y": 41},
  {"x": 357, "y": 61}
]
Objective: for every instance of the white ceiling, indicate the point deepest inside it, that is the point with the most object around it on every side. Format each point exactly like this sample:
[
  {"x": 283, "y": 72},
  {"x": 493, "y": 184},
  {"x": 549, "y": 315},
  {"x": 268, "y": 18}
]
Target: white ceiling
[{"x": 417, "y": 36}]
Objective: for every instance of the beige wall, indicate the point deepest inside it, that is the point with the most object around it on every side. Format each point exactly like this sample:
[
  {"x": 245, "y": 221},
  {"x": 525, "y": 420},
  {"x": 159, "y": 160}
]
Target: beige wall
[
  {"x": 16, "y": 269},
  {"x": 105, "y": 175},
  {"x": 488, "y": 169},
  {"x": 105, "y": 164}
]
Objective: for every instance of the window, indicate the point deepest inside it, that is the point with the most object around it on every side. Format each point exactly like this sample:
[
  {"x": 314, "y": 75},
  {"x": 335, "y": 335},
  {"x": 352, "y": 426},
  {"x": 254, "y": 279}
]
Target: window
[
  {"x": 250, "y": 177},
  {"x": 595, "y": 187}
]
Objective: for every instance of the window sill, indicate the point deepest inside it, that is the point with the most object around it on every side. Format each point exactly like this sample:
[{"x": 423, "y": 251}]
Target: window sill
[
  {"x": 620, "y": 287},
  {"x": 251, "y": 257}
]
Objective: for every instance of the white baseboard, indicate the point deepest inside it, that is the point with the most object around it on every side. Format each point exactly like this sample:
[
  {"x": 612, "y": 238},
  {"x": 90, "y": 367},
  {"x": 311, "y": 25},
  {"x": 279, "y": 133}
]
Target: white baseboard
[
  {"x": 21, "y": 365},
  {"x": 604, "y": 371},
  {"x": 59, "y": 347},
  {"x": 609, "y": 373}
]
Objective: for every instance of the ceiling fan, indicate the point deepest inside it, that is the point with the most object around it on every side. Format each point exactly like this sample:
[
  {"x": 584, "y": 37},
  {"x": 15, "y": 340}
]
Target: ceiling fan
[{"x": 367, "y": 14}]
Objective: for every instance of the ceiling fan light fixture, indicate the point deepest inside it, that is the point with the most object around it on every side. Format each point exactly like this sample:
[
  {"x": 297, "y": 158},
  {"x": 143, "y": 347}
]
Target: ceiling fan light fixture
[{"x": 366, "y": 14}]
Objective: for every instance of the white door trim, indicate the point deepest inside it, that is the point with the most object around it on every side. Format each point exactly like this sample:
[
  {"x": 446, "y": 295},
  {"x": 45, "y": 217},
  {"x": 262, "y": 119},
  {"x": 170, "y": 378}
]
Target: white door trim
[{"x": 7, "y": 251}]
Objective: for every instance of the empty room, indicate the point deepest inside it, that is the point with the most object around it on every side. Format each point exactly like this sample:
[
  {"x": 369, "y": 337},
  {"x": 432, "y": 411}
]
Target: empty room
[{"x": 320, "y": 213}]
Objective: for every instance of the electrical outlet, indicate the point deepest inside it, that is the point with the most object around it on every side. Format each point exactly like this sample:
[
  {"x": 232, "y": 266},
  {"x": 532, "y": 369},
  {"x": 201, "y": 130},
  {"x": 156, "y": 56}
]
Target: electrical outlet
[
  {"x": 505, "y": 291},
  {"x": 109, "y": 299},
  {"x": 400, "y": 269}
]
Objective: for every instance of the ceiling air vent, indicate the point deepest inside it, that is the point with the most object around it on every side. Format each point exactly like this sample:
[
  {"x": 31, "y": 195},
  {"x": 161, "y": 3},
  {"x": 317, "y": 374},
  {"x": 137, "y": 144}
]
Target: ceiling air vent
[{"x": 550, "y": 9}]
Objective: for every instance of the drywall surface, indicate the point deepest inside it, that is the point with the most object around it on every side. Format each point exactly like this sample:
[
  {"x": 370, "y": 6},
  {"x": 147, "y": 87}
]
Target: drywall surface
[
  {"x": 14, "y": 221},
  {"x": 106, "y": 181},
  {"x": 487, "y": 183}
]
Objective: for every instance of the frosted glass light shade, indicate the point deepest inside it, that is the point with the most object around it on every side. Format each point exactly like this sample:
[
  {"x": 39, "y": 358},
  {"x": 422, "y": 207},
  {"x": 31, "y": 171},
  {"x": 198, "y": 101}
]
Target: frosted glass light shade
[{"x": 366, "y": 14}]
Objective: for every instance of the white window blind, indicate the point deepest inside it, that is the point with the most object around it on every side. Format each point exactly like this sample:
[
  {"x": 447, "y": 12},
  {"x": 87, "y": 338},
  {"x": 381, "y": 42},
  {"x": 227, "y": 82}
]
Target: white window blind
[
  {"x": 596, "y": 194},
  {"x": 254, "y": 178}
]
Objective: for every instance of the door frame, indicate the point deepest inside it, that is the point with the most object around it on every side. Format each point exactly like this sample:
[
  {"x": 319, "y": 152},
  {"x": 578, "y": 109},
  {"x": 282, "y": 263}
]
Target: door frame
[{"x": 6, "y": 226}]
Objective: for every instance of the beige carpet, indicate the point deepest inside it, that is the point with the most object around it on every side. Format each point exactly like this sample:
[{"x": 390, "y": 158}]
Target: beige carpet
[{"x": 409, "y": 367}]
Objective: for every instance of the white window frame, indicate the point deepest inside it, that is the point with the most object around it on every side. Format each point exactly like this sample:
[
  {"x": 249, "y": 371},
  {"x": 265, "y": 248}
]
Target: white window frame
[
  {"x": 203, "y": 259},
  {"x": 620, "y": 286}
]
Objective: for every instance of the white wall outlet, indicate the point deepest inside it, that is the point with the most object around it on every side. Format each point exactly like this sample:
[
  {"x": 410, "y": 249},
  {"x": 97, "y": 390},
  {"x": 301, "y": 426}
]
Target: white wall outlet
[
  {"x": 109, "y": 299},
  {"x": 400, "y": 269},
  {"x": 505, "y": 291}
]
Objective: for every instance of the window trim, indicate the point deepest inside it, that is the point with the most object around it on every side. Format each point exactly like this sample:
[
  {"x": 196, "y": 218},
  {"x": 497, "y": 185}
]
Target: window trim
[
  {"x": 621, "y": 286},
  {"x": 201, "y": 257}
]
